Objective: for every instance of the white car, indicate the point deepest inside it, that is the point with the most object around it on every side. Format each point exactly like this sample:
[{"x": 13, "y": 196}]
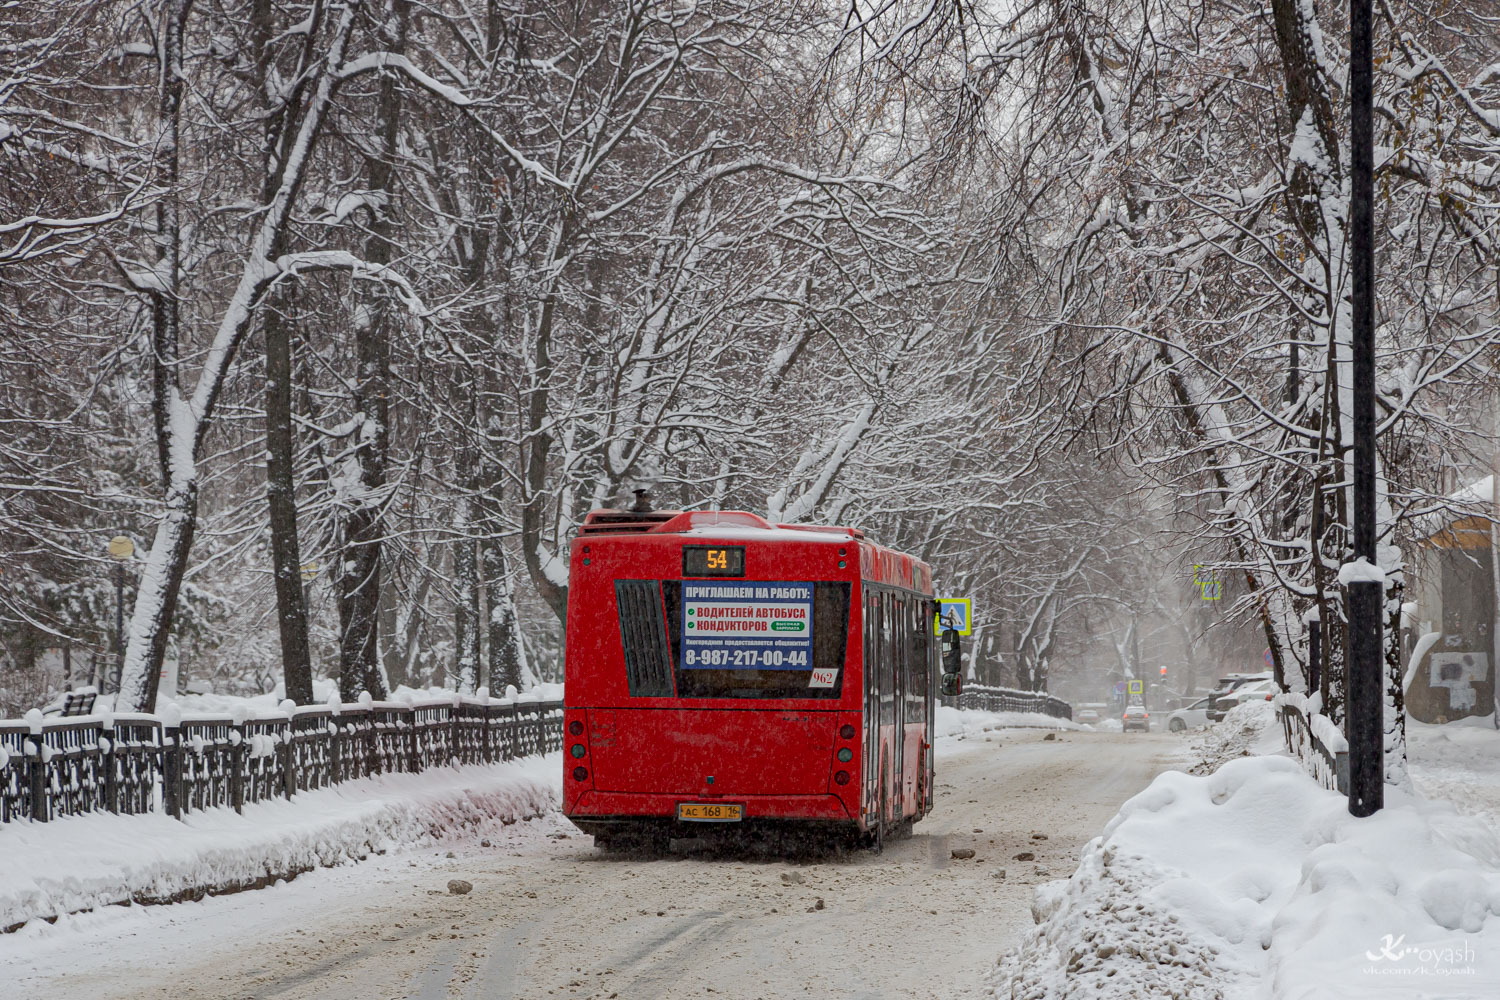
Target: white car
[
  {"x": 1220, "y": 699},
  {"x": 1255, "y": 691},
  {"x": 1189, "y": 716},
  {"x": 1086, "y": 716}
]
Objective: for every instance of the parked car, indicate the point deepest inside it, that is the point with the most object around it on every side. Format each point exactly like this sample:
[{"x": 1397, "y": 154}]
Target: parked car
[
  {"x": 1190, "y": 716},
  {"x": 1136, "y": 717},
  {"x": 1252, "y": 691},
  {"x": 1228, "y": 684}
]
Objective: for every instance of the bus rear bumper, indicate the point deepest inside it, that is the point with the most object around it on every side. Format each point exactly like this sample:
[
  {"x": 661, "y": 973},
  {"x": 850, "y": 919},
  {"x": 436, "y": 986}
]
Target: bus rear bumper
[{"x": 596, "y": 811}]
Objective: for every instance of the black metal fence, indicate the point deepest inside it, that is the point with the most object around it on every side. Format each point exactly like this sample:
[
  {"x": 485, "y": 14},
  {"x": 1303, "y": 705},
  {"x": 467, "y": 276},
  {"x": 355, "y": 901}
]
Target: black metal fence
[
  {"x": 1329, "y": 765},
  {"x": 998, "y": 699},
  {"x": 145, "y": 763}
]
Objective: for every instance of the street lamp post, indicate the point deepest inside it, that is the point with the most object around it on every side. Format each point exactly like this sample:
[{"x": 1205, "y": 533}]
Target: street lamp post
[
  {"x": 1365, "y": 699},
  {"x": 120, "y": 549}
]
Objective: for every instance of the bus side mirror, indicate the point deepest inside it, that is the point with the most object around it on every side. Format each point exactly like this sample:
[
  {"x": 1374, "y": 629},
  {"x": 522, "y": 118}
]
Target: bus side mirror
[
  {"x": 952, "y": 663},
  {"x": 952, "y": 652}
]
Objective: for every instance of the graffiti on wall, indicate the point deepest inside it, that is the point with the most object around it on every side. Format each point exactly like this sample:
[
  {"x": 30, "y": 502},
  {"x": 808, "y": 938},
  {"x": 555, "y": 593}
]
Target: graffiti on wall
[{"x": 1459, "y": 672}]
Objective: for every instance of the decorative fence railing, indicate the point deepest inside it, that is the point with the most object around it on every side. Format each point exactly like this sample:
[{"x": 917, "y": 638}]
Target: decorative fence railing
[
  {"x": 176, "y": 763},
  {"x": 1314, "y": 740},
  {"x": 998, "y": 699}
]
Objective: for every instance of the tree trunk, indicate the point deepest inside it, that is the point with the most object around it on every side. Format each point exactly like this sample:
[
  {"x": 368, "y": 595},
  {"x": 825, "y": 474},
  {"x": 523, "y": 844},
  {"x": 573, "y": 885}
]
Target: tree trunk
[
  {"x": 281, "y": 497},
  {"x": 466, "y": 600},
  {"x": 504, "y": 630},
  {"x": 181, "y": 423},
  {"x": 360, "y": 668},
  {"x": 138, "y": 686},
  {"x": 286, "y": 557}
]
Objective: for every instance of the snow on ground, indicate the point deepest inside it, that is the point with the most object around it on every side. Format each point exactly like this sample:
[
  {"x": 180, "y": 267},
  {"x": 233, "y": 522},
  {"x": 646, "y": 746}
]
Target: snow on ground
[
  {"x": 1458, "y": 761},
  {"x": 1254, "y": 881},
  {"x": 82, "y": 862},
  {"x": 959, "y": 723},
  {"x": 235, "y": 941}
]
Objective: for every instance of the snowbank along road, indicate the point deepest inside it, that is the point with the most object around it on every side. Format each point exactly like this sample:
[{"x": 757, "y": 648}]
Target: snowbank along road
[{"x": 550, "y": 916}]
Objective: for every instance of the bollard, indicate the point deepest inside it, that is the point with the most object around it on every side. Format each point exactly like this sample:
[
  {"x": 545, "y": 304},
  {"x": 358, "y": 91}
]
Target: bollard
[
  {"x": 413, "y": 751},
  {"x": 288, "y": 763},
  {"x": 237, "y": 765},
  {"x": 484, "y": 735},
  {"x": 106, "y": 743},
  {"x": 171, "y": 769},
  {"x": 36, "y": 769}
]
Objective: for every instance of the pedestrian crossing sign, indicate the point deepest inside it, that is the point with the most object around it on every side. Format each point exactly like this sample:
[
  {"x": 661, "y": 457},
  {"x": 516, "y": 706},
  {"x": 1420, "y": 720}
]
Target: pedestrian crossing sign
[{"x": 955, "y": 613}]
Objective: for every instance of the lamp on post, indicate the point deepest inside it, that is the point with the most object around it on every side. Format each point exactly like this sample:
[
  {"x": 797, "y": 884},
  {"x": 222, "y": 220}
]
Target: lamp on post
[{"x": 120, "y": 550}]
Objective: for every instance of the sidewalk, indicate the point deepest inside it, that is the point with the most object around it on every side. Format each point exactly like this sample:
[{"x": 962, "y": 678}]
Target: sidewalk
[{"x": 84, "y": 862}]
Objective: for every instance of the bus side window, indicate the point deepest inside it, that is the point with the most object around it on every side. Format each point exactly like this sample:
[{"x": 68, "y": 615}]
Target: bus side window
[
  {"x": 887, "y": 660},
  {"x": 917, "y": 656}
]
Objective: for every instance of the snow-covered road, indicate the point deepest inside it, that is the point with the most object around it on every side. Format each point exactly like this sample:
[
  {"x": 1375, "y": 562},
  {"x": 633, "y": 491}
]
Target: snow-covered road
[{"x": 551, "y": 916}]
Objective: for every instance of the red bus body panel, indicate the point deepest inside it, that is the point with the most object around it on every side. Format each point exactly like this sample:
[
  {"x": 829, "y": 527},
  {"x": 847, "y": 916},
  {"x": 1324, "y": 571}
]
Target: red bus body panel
[{"x": 642, "y": 756}]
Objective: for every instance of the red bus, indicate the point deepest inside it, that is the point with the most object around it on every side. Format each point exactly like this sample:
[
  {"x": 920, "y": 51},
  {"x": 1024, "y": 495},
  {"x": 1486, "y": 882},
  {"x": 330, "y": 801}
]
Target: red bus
[{"x": 727, "y": 674}]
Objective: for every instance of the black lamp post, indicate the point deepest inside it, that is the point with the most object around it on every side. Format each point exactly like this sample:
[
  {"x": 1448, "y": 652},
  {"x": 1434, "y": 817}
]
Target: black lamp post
[{"x": 1365, "y": 705}]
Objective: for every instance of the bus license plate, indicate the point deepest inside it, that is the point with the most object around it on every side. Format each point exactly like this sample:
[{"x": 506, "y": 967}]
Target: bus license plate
[{"x": 710, "y": 812}]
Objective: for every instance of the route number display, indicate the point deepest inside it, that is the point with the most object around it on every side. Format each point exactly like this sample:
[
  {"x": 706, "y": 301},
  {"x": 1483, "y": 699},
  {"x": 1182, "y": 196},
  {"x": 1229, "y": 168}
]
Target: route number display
[{"x": 713, "y": 560}]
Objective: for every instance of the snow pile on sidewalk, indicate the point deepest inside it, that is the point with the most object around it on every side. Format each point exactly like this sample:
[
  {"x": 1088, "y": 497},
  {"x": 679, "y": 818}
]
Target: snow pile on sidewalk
[
  {"x": 1256, "y": 879},
  {"x": 81, "y": 862},
  {"x": 325, "y": 691},
  {"x": 960, "y": 722},
  {"x": 1246, "y": 730}
]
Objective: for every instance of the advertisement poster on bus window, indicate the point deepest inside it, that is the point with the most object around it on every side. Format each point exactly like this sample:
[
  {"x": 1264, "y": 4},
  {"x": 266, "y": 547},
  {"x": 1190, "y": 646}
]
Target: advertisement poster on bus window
[{"x": 747, "y": 625}]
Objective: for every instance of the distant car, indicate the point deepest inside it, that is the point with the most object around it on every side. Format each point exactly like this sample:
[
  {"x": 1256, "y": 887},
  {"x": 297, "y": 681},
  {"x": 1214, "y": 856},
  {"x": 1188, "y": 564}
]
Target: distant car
[
  {"x": 1136, "y": 717},
  {"x": 1087, "y": 716},
  {"x": 1189, "y": 716}
]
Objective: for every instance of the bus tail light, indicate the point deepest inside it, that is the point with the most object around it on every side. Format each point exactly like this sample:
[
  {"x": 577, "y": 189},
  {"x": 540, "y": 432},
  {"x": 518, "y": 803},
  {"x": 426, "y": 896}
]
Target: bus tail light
[
  {"x": 840, "y": 778},
  {"x": 847, "y": 732},
  {"x": 577, "y": 746}
]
